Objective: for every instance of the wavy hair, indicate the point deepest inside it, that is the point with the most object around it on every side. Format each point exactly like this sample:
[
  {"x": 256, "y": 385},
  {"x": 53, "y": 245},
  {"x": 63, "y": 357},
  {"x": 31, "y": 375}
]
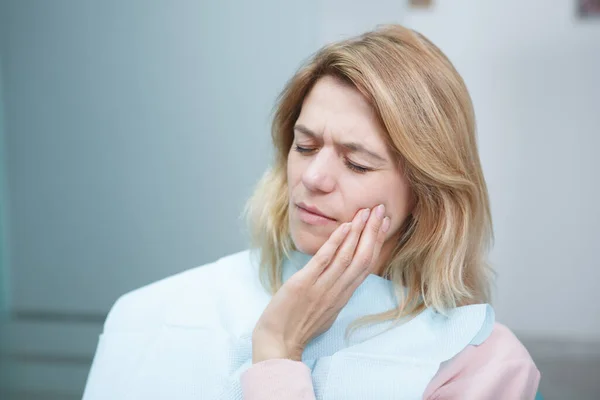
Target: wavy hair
[{"x": 422, "y": 102}]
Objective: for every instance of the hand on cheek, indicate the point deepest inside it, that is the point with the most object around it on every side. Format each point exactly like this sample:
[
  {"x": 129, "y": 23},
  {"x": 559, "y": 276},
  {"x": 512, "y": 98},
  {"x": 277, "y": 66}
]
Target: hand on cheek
[
  {"x": 378, "y": 211},
  {"x": 310, "y": 301}
]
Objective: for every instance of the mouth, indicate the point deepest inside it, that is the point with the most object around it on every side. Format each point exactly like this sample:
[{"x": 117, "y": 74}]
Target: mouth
[{"x": 313, "y": 216}]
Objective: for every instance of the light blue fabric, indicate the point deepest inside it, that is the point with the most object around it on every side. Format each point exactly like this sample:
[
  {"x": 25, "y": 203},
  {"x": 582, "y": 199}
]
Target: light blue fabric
[{"x": 198, "y": 343}]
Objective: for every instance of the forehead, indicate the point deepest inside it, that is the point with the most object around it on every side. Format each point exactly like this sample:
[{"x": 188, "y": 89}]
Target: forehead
[{"x": 335, "y": 108}]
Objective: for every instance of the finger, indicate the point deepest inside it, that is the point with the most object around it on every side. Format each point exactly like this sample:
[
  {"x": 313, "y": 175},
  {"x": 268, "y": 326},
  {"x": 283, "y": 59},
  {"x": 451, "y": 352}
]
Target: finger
[
  {"x": 347, "y": 293},
  {"x": 326, "y": 252},
  {"x": 385, "y": 226},
  {"x": 377, "y": 251},
  {"x": 368, "y": 249},
  {"x": 343, "y": 257}
]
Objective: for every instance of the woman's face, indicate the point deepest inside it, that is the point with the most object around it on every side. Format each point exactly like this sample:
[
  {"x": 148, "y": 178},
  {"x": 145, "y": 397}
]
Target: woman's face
[{"x": 338, "y": 164}]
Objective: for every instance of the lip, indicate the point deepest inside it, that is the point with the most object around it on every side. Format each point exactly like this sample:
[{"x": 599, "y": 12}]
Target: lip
[
  {"x": 314, "y": 210},
  {"x": 312, "y": 215}
]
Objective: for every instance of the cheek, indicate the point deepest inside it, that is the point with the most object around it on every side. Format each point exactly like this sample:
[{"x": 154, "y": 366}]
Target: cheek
[
  {"x": 398, "y": 207},
  {"x": 356, "y": 193},
  {"x": 294, "y": 170},
  {"x": 367, "y": 192},
  {"x": 391, "y": 191}
]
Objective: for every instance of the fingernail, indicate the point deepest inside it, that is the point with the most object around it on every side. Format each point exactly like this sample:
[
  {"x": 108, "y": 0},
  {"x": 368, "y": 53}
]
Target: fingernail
[
  {"x": 346, "y": 227},
  {"x": 365, "y": 214},
  {"x": 386, "y": 224},
  {"x": 380, "y": 210}
]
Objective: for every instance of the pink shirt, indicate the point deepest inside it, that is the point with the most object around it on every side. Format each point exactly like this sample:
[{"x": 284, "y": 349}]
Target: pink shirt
[{"x": 499, "y": 368}]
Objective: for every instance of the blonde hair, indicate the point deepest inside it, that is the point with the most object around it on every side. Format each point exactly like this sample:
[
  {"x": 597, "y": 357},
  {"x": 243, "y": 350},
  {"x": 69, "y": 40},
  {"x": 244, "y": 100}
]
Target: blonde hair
[{"x": 425, "y": 108}]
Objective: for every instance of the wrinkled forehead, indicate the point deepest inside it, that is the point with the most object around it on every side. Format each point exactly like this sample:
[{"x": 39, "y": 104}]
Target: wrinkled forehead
[{"x": 335, "y": 110}]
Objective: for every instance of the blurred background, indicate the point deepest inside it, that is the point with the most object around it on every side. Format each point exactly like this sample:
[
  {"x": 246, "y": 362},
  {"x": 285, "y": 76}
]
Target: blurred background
[{"x": 132, "y": 132}]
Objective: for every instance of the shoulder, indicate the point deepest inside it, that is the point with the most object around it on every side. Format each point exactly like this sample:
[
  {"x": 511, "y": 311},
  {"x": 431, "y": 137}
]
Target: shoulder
[
  {"x": 499, "y": 361},
  {"x": 147, "y": 306},
  {"x": 501, "y": 346}
]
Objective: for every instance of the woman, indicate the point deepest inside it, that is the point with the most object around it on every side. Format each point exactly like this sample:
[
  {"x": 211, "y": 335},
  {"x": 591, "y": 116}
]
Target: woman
[{"x": 367, "y": 277}]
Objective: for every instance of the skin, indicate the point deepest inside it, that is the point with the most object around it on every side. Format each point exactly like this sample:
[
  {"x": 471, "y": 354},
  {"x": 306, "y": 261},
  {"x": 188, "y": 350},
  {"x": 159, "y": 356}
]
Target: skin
[{"x": 340, "y": 164}]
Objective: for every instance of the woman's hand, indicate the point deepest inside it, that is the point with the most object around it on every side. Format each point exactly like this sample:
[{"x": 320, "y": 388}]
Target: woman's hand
[{"x": 310, "y": 301}]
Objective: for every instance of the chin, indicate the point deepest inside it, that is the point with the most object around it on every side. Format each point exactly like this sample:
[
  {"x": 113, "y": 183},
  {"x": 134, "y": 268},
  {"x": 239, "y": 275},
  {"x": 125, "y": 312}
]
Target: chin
[{"x": 307, "y": 243}]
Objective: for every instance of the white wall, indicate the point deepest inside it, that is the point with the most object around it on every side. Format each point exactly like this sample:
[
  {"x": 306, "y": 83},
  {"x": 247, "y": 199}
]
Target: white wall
[
  {"x": 533, "y": 70},
  {"x": 4, "y": 244},
  {"x": 339, "y": 19},
  {"x": 4, "y": 297}
]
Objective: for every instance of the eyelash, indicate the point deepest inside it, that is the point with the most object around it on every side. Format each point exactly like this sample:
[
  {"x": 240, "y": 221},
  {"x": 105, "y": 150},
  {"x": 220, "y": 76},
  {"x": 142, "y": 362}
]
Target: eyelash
[{"x": 352, "y": 166}]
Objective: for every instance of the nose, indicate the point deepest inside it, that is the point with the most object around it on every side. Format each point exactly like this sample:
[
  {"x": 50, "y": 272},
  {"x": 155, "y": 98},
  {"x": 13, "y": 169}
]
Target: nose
[{"x": 319, "y": 174}]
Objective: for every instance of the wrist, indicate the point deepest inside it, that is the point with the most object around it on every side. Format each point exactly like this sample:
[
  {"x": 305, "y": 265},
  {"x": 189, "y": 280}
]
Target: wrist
[{"x": 263, "y": 350}]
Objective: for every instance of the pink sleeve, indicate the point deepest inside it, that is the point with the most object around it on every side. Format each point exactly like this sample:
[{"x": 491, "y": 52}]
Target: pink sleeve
[
  {"x": 499, "y": 368},
  {"x": 278, "y": 379}
]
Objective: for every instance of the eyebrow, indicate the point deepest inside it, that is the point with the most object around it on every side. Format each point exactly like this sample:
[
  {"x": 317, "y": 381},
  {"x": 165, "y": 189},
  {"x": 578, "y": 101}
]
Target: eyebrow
[{"x": 352, "y": 146}]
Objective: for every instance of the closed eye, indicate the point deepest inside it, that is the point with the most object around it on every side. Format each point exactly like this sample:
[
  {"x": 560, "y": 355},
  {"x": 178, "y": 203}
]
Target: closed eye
[
  {"x": 352, "y": 166},
  {"x": 303, "y": 149},
  {"x": 357, "y": 168}
]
